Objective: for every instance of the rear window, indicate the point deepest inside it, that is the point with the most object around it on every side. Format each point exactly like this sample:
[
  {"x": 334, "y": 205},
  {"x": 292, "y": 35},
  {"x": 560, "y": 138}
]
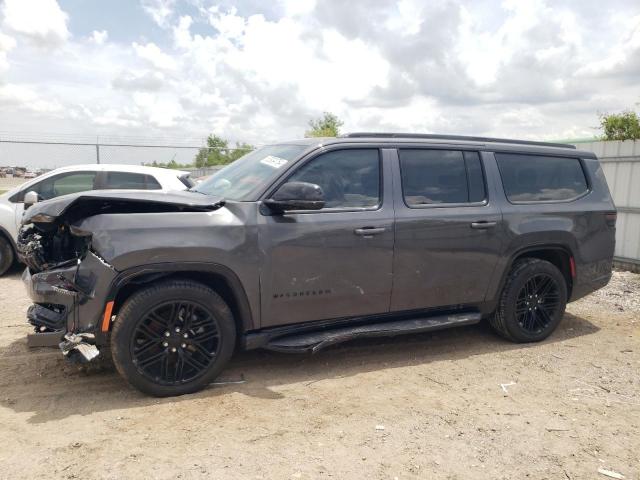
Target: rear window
[
  {"x": 135, "y": 181},
  {"x": 537, "y": 178},
  {"x": 441, "y": 177}
]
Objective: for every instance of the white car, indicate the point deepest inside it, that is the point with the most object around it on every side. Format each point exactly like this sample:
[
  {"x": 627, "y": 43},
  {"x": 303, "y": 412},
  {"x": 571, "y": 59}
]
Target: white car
[{"x": 79, "y": 178}]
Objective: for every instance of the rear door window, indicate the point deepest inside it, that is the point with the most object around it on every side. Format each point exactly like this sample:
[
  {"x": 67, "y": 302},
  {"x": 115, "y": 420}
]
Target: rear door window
[
  {"x": 126, "y": 180},
  {"x": 441, "y": 177},
  {"x": 539, "y": 178}
]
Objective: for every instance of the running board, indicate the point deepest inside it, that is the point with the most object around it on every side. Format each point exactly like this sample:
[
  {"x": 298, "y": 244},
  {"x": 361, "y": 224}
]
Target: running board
[{"x": 319, "y": 339}]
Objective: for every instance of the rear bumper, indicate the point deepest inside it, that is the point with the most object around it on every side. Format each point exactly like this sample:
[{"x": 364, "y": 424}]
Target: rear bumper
[
  {"x": 585, "y": 288},
  {"x": 591, "y": 277}
]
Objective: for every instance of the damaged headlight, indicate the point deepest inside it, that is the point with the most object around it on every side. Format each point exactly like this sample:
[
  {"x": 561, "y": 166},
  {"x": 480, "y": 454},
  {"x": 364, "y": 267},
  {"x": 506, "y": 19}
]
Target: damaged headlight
[{"x": 42, "y": 218}]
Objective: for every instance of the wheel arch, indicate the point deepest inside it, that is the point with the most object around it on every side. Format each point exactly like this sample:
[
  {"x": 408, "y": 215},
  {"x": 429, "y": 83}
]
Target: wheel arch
[
  {"x": 558, "y": 254},
  {"x": 219, "y": 278}
]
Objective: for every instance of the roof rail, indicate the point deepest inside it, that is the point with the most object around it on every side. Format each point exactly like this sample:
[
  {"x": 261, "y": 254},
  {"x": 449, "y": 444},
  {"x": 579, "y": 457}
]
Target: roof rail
[{"x": 433, "y": 136}]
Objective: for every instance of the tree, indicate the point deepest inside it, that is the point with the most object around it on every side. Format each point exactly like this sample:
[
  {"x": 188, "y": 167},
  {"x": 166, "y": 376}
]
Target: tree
[
  {"x": 240, "y": 150},
  {"x": 218, "y": 152},
  {"x": 326, "y": 126},
  {"x": 620, "y": 126}
]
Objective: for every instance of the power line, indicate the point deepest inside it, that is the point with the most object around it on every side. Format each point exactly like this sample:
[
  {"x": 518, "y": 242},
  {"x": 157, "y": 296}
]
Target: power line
[{"x": 92, "y": 144}]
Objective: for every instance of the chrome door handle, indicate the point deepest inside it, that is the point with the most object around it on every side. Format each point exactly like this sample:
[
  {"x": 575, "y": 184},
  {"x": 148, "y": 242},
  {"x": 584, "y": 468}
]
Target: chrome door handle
[
  {"x": 366, "y": 231},
  {"x": 483, "y": 225}
]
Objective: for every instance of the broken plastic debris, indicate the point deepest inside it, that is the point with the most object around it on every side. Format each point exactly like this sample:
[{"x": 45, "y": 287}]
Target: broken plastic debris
[
  {"x": 231, "y": 382},
  {"x": 610, "y": 473},
  {"x": 505, "y": 385},
  {"x": 379, "y": 427}
]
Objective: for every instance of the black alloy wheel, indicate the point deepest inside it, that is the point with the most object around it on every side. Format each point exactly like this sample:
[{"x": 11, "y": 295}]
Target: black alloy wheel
[
  {"x": 175, "y": 342},
  {"x": 532, "y": 301},
  {"x": 173, "y": 337},
  {"x": 538, "y": 303}
]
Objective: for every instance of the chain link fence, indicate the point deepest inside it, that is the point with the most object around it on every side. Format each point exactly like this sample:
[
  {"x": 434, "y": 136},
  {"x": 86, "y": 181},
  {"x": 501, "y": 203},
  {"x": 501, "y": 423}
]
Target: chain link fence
[{"x": 34, "y": 155}]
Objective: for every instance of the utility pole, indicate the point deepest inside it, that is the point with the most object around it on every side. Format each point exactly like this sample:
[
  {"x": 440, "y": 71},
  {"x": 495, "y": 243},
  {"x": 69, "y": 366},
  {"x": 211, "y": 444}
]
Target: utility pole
[{"x": 97, "y": 149}]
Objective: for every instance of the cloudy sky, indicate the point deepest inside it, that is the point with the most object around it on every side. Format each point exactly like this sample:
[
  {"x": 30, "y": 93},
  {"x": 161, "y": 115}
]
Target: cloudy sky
[{"x": 258, "y": 71}]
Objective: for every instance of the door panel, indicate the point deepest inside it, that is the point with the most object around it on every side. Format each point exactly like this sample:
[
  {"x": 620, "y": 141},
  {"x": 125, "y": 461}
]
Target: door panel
[
  {"x": 321, "y": 265},
  {"x": 445, "y": 255}
]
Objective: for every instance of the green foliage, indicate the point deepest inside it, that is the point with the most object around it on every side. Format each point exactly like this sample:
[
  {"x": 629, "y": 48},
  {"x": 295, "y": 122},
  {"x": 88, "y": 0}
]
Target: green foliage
[
  {"x": 326, "y": 126},
  {"x": 218, "y": 152},
  {"x": 172, "y": 164},
  {"x": 620, "y": 126}
]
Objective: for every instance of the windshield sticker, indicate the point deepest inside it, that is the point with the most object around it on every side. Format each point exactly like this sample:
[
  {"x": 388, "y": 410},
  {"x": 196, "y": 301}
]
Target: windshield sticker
[{"x": 274, "y": 162}]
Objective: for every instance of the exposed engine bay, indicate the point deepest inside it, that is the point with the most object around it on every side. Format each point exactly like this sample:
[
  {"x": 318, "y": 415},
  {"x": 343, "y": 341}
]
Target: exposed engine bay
[{"x": 41, "y": 248}]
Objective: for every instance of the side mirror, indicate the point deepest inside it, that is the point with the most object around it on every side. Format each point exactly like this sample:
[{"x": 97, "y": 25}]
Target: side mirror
[
  {"x": 296, "y": 196},
  {"x": 30, "y": 198}
]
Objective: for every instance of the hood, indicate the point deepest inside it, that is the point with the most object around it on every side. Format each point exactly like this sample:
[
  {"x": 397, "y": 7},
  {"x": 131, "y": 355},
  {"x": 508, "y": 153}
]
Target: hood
[{"x": 76, "y": 206}]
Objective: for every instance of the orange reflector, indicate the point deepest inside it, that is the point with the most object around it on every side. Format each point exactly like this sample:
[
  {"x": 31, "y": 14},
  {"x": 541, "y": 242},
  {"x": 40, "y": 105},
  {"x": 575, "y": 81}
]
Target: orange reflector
[{"x": 106, "y": 320}]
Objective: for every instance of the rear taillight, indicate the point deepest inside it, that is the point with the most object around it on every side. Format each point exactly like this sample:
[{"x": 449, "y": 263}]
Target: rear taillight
[{"x": 610, "y": 218}]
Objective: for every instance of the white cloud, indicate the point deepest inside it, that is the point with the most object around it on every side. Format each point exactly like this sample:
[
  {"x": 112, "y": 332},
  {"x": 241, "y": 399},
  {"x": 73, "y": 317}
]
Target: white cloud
[
  {"x": 139, "y": 81},
  {"x": 26, "y": 98},
  {"x": 408, "y": 18},
  {"x": 162, "y": 111},
  {"x": 160, "y": 10},
  {"x": 99, "y": 37},
  {"x": 42, "y": 21},
  {"x": 7, "y": 44},
  {"x": 530, "y": 68},
  {"x": 155, "y": 56},
  {"x": 623, "y": 50},
  {"x": 229, "y": 25}
]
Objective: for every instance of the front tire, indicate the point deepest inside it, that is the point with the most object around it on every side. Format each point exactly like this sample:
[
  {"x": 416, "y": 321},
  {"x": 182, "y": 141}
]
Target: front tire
[
  {"x": 173, "y": 338},
  {"x": 532, "y": 302},
  {"x": 7, "y": 256}
]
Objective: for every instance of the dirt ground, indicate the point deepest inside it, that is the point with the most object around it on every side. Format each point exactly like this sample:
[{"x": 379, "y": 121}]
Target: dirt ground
[{"x": 455, "y": 404}]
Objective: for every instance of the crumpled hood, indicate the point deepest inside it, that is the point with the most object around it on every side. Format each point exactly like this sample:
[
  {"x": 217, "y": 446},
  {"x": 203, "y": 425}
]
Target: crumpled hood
[{"x": 85, "y": 204}]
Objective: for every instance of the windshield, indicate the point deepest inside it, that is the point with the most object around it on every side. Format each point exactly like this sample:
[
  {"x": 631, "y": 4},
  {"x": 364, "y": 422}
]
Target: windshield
[{"x": 244, "y": 178}]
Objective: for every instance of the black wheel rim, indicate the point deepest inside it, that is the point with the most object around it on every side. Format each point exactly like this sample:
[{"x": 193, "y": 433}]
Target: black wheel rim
[
  {"x": 538, "y": 303},
  {"x": 175, "y": 342}
]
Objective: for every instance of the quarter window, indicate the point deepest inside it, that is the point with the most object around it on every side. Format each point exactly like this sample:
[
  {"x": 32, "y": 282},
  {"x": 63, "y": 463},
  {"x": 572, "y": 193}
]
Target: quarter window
[
  {"x": 536, "y": 178},
  {"x": 441, "y": 177},
  {"x": 349, "y": 178}
]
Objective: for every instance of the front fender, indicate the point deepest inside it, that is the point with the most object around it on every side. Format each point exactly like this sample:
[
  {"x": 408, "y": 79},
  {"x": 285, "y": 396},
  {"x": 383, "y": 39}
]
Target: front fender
[{"x": 246, "y": 309}]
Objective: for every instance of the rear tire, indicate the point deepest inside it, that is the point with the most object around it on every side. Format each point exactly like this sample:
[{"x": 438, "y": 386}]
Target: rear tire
[
  {"x": 173, "y": 338},
  {"x": 7, "y": 256},
  {"x": 532, "y": 302}
]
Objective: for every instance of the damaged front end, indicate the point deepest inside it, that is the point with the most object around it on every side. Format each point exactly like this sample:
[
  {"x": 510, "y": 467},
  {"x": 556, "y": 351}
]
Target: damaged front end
[{"x": 68, "y": 281}]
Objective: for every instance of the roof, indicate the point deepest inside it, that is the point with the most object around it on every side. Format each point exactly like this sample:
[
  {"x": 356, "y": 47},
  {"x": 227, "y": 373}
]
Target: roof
[
  {"x": 121, "y": 168},
  {"x": 484, "y": 143}
]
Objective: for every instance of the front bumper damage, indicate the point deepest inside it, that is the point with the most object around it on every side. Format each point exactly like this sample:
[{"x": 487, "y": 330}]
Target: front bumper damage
[
  {"x": 68, "y": 280},
  {"x": 68, "y": 306}
]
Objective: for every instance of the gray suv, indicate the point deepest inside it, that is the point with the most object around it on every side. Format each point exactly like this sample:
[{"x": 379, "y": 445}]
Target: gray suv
[{"x": 309, "y": 243}]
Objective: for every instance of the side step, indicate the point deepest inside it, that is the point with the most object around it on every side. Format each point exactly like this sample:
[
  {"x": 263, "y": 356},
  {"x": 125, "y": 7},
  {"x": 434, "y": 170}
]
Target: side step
[{"x": 317, "y": 340}]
